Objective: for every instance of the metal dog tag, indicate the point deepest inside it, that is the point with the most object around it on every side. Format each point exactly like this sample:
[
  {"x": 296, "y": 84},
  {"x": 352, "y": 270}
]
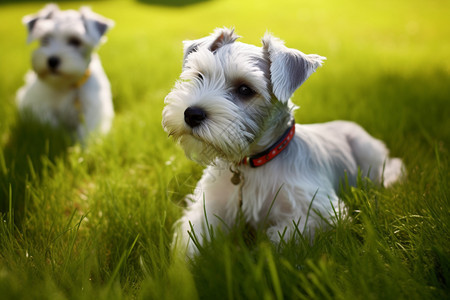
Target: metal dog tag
[{"x": 236, "y": 179}]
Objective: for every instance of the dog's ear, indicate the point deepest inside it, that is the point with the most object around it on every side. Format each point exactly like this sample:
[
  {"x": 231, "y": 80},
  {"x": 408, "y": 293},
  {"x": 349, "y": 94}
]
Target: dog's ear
[
  {"x": 30, "y": 20},
  {"x": 96, "y": 25},
  {"x": 219, "y": 38},
  {"x": 222, "y": 36},
  {"x": 289, "y": 68}
]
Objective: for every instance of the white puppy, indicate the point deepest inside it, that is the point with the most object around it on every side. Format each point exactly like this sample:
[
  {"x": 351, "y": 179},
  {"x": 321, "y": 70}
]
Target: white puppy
[
  {"x": 67, "y": 87},
  {"x": 231, "y": 111}
]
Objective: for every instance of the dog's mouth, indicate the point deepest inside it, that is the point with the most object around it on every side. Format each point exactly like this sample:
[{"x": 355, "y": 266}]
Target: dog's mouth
[
  {"x": 57, "y": 76},
  {"x": 200, "y": 150},
  {"x": 55, "y": 72},
  {"x": 204, "y": 148},
  {"x": 48, "y": 73}
]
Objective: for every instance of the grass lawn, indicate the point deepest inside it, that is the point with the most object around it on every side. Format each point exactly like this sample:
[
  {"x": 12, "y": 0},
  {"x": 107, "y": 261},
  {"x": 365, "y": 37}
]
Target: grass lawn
[{"x": 97, "y": 223}]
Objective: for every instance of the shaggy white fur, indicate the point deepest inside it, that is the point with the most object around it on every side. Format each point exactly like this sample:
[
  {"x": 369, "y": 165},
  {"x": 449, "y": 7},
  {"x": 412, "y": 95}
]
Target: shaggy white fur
[
  {"x": 232, "y": 102},
  {"x": 67, "y": 86}
]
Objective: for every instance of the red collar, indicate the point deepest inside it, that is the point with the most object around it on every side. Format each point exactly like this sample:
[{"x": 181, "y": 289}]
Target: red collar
[{"x": 260, "y": 159}]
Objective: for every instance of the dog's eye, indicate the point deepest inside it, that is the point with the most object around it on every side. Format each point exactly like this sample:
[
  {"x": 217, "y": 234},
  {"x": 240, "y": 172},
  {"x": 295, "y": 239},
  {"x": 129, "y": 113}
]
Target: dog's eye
[
  {"x": 200, "y": 76},
  {"x": 74, "y": 41},
  {"x": 245, "y": 91}
]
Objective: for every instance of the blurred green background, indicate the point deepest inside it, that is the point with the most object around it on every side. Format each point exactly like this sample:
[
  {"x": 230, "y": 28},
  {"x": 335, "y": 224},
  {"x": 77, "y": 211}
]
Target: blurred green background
[
  {"x": 98, "y": 222},
  {"x": 371, "y": 46}
]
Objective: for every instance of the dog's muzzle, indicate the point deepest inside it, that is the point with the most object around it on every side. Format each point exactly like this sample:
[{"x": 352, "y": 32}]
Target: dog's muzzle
[{"x": 194, "y": 116}]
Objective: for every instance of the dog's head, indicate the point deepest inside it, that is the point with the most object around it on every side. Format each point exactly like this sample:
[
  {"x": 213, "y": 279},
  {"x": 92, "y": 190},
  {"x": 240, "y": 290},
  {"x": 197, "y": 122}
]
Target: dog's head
[
  {"x": 67, "y": 39},
  {"x": 231, "y": 94}
]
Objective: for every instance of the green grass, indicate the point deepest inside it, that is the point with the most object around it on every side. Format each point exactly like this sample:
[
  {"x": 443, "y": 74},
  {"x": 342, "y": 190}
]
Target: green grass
[{"x": 97, "y": 223}]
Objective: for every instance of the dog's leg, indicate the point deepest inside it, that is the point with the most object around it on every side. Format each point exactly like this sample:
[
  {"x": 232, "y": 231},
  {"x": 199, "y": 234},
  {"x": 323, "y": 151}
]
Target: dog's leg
[
  {"x": 313, "y": 207},
  {"x": 372, "y": 156},
  {"x": 212, "y": 206}
]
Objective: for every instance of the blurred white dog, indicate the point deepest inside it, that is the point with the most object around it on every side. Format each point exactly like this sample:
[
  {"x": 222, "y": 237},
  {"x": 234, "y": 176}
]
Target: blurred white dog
[
  {"x": 231, "y": 111},
  {"x": 67, "y": 87}
]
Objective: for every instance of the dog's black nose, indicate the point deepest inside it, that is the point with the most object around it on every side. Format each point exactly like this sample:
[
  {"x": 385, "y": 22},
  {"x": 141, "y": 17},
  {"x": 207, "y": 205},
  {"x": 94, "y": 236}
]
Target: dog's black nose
[
  {"x": 194, "y": 116},
  {"x": 53, "y": 62}
]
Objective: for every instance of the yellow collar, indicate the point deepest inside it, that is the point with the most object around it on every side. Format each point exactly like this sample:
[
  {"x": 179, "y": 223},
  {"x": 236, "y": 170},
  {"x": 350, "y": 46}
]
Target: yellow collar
[{"x": 83, "y": 79}]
